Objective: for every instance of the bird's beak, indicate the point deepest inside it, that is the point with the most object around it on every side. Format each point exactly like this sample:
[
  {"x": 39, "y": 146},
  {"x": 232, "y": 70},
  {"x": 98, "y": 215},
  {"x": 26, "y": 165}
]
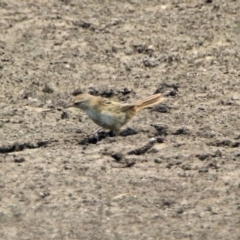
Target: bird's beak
[{"x": 69, "y": 106}]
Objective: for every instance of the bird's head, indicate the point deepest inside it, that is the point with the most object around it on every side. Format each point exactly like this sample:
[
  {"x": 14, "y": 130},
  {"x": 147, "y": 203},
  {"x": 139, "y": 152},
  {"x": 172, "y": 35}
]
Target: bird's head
[{"x": 80, "y": 101}]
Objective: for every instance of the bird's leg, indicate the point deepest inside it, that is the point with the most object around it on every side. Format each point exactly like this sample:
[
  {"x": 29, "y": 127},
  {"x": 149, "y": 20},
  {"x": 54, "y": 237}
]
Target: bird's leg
[
  {"x": 111, "y": 133},
  {"x": 99, "y": 134},
  {"x": 114, "y": 132},
  {"x": 98, "y": 130},
  {"x": 95, "y": 134}
]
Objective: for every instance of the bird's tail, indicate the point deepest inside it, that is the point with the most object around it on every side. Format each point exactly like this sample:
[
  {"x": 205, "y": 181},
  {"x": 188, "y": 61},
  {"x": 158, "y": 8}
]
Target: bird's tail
[{"x": 148, "y": 102}]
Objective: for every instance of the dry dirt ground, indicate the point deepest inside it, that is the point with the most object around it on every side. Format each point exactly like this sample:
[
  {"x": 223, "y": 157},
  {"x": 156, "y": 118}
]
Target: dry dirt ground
[{"x": 173, "y": 173}]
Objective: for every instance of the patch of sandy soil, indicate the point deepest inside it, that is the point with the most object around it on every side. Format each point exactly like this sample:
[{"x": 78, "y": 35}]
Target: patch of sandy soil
[{"x": 173, "y": 173}]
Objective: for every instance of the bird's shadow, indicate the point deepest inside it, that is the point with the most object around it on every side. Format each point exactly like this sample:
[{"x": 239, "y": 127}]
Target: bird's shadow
[{"x": 100, "y": 135}]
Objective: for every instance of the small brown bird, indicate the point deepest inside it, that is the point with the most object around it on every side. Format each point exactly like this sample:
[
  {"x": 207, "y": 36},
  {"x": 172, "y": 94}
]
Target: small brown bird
[{"x": 111, "y": 115}]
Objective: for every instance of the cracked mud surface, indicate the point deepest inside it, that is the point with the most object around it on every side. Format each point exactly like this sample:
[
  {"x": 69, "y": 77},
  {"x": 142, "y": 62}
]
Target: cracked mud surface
[{"x": 173, "y": 173}]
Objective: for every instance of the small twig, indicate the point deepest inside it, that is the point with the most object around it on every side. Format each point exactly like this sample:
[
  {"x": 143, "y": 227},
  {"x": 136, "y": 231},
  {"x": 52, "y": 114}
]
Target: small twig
[{"x": 122, "y": 195}]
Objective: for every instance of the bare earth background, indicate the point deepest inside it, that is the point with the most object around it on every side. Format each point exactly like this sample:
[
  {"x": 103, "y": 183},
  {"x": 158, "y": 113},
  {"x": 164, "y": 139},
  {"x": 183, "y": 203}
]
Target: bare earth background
[{"x": 175, "y": 171}]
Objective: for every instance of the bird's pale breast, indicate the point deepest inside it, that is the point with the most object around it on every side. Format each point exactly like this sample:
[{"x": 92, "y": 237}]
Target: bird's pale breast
[{"x": 107, "y": 119}]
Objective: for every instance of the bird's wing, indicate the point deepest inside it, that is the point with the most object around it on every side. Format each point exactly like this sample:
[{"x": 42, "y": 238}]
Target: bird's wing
[
  {"x": 110, "y": 105},
  {"x": 125, "y": 107},
  {"x": 106, "y": 102}
]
